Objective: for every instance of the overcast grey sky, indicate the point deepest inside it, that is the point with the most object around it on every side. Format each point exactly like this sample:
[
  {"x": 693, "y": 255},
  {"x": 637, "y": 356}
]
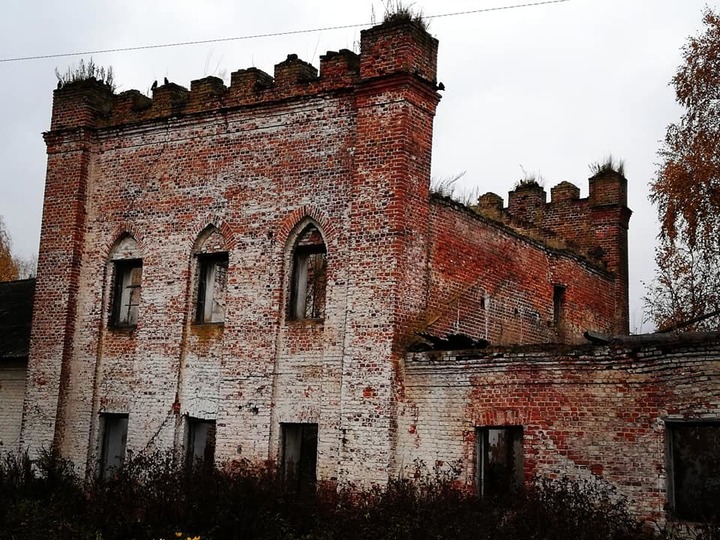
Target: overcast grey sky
[{"x": 548, "y": 88}]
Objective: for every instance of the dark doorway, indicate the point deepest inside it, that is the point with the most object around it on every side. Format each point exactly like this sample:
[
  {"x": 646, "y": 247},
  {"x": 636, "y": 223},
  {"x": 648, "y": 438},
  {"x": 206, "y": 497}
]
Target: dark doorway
[
  {"x": 299, "y": 456},
  {"x": 500, "y": 460},
  {"x": 200, "y": 442},
  {"x": 114, "y": 440}
]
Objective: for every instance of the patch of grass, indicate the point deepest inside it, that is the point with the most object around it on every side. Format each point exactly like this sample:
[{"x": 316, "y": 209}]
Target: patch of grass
[
  {"x": 529, "y": 179},
  {"x": 396, "y": 11},
  {"x": 85, "y": 71},
  {"x": 447, "y": 188},
  {"x": 609, "y": 165}
]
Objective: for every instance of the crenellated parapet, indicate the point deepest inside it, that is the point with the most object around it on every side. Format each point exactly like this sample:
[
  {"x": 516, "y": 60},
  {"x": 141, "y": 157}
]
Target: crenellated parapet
[
  {"x": 344, "y": 145},
  {"x": 590, "y": 226},
  {"x": 564, "y": 191},
  {"x": 391, "y": 49}
]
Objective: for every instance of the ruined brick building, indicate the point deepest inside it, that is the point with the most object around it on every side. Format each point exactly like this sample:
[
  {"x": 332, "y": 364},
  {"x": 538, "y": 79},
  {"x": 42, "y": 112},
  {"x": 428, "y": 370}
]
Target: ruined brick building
[{"x": 241, "y": 273}]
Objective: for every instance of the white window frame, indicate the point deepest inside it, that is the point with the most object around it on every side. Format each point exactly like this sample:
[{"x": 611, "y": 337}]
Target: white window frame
[
  {"x": 303, "y": 303},
  {"x": 211, "y": 294},
  {"x": 127, "y": 290}
]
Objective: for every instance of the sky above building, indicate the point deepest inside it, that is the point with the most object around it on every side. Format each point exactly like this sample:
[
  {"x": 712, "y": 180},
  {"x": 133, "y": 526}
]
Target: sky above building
[{"x": 542, "y": 90}]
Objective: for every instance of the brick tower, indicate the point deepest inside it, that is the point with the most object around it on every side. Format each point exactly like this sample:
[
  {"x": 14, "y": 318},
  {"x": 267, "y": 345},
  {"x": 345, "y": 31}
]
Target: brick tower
[{"x": 238, "y": 260}]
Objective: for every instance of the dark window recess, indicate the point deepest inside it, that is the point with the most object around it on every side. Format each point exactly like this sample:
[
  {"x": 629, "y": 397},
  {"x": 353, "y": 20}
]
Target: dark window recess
[
  {"x": 200, "y": 442},
  {"x": 499, "y": 460},
  {"x": 212, "y": 283},
  {"x": 114, "y": 439},
  {"x": 558, "y": 304},
  {"x": 299, "y": 456},
  {"x": 309, "y": 276},
  {"x": 126, "y": 297},
  {"x": 694, "y": 470}
]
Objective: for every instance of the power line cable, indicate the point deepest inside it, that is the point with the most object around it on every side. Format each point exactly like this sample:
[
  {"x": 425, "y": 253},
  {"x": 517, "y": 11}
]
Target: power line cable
[{"x": 258, "y": 36}]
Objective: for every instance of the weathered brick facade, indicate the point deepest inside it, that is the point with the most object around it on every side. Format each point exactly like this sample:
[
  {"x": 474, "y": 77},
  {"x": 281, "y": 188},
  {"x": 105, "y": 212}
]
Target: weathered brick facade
[
  {"x": 261, "y": 256},
  {"x": 586, "y": 411}
]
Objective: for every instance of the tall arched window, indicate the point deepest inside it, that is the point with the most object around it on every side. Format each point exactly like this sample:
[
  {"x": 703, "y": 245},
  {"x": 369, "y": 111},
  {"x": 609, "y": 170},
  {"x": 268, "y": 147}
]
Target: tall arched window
[
  {"x": 309, "y": 276},
  {"x": 127, "y": 282},
  {"x": 212, "y": 266}
]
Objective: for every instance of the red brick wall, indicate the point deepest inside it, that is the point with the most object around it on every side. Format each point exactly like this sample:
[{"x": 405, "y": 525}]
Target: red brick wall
[
  {"x": 586, "y": 412},
  {"x": 594, "y": 228},
  {"x": 488, "y": 281},
  {"x": 57, "y": 286}
]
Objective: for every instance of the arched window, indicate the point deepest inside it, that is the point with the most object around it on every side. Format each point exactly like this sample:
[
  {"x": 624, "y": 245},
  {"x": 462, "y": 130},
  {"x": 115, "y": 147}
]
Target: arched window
[
  {"x": 212, "y": 266},
  {"x": 127, "y": 281},
  {"x": 309, "y": 276}
]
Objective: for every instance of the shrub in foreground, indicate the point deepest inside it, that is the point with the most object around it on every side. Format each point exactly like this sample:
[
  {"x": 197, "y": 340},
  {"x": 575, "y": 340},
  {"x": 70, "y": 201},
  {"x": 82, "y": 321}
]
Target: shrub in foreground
[{"x": 152, "y": 498}]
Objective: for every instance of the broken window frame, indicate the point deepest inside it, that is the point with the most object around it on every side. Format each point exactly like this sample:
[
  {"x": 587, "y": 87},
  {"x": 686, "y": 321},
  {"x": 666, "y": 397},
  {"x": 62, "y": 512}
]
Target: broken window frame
[
  {"x": 705, "y": 506},
  {"x": 510, "y": 465},
  {"x": 308, "y": 276},
  {"x": 114, "y": 427},
  {"x": 299, "y": 439},
  {"x": 126, "y": 292},
  {"x": 309, "y": 288},
  {"x": 200, "y": 435},
  {"x": 207, "y": 297}
]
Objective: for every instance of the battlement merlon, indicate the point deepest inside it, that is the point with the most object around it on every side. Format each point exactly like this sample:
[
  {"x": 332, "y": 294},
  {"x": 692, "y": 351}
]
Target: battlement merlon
[
  {"x": 386, "y": 50},
  {"x": 595, "y": 226},
  {"x": 528, "y": 202}
]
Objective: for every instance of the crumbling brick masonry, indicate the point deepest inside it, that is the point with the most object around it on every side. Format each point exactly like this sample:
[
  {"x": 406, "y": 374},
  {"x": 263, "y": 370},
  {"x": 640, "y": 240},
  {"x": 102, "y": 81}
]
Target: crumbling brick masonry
[{"x": 239, "y": 272}]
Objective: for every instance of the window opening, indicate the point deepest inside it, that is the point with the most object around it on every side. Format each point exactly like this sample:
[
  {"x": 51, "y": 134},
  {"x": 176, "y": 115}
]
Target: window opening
[
  {"x": 299, "y": 456},
  {"x": 114, "y": 440},
  {"x": 200, "y": 442},
  {"x": 212, "y": 283},
  {"x": 126, "y": 300},
  {"x": 499, "y": 460},
  {"x": 309, "y": 277},
  {"x": 558, "y": 304},
  {"x": 694, "y": 470}
]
